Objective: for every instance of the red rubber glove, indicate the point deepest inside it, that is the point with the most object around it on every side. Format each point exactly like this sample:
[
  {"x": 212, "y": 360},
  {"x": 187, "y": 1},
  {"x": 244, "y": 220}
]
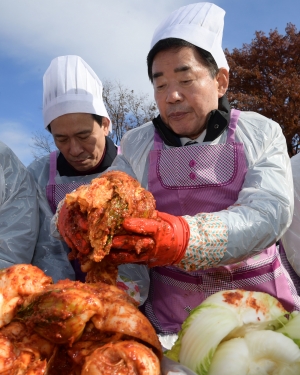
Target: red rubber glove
[
  {"x": 73, "y": 228},
  {"x": 153, "y": 242}
]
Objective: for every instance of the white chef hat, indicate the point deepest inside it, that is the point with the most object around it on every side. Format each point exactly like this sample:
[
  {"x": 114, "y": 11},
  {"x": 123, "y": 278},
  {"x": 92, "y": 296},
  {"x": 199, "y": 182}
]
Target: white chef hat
[
  {"x": 71, "y": 86},
  {"x": 200, "y": 24}
]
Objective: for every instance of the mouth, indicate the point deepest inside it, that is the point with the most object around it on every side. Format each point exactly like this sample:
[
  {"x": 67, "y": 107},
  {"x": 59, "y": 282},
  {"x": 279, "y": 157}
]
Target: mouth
[
  {"x": 177, "y": 116},
  {"x": 79, "y": 163}
]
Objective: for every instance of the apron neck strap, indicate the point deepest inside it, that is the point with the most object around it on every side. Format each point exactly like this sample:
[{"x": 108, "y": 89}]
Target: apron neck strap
[
  {"x": 53, "y": 164},
  {"x": 234, "y": 116},
  {"x": 158, "y": 143}
]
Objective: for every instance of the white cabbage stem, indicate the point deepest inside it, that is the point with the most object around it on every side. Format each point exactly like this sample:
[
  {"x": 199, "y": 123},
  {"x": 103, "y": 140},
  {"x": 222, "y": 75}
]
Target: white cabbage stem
[
  {"x": 198, "y": 345},
  {"x": 258, "y": 353},
  {"x": 223, "y": 316},
  {"x": 292, "y": 328}
]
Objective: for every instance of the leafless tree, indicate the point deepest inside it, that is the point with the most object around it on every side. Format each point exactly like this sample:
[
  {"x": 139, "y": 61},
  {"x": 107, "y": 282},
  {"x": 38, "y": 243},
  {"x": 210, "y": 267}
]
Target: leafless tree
[
  {"x": 42, "y": 144},
  {"x": 265, "y": 78},
  {"x": 126, "y": 109}
]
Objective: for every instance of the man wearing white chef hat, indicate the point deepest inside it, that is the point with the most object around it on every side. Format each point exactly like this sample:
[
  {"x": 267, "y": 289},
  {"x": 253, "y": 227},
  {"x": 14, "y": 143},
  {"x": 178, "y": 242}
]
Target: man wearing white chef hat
[
  {"x": 221, "y": 179},
  {"x": 74, "y": 113}
]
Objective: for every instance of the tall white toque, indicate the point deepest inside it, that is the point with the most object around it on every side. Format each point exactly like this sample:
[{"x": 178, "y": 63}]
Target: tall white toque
[
  {"x": 200, "y": 24},
  {"x": 71, "y": 86}
]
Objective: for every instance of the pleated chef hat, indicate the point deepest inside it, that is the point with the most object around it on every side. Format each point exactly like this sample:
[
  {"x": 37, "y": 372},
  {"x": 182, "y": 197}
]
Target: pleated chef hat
[
  {"x": 200, "y": 24},
  {"x": 71, "y": 86}
]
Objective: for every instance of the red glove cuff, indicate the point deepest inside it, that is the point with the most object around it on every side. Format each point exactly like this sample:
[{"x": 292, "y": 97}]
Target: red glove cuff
[
  {"x": 176, "y": 248},
  {"x": 183, "y": 234}
]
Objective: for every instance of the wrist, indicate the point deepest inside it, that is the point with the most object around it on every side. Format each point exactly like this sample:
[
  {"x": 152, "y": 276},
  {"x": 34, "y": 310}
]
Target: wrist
[{"x": 183, "y": 236}]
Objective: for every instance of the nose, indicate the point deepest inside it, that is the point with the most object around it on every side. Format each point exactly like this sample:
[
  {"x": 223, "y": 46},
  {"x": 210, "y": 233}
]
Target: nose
[
  {"x": 174, "y": 94},
  {"x": 75, "y": 148}
]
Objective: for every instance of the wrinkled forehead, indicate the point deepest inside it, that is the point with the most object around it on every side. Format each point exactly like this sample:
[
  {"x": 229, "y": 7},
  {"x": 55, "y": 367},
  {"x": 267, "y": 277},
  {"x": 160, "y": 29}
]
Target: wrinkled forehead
[
  {"x": 176, "y": 60},
  {"x": 72, "y": 123}
]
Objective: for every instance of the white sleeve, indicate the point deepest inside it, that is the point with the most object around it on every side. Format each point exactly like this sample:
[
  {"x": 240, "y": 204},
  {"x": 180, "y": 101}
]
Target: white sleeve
[
  {"x": 291, "y": 238},
  {"x": 264, "y": 207},
  {"x": 18, "y": 210}
]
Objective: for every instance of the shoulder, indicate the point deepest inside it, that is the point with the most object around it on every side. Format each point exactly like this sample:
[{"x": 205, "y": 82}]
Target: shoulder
[
  {"x": 261, "y": 137},
  {"x": 258, "y": 124},
  {"x": 143, "y": 134},
  {"x": 7, "y": 156},
  {"x": 134, "y": 150},
  {"x": 5, "y": 150},
  {"x": 145, "y": 129},
  {"x": 44, "y": 160},
  {"x": 14, "y": 176},
  {"x": 10, "y": 163},
  {"x": 40, "y": 167}
]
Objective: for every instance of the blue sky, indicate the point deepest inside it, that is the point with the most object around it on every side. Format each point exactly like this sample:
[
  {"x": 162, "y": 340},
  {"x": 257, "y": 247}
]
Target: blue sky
[{"x": 113, "y": 36}]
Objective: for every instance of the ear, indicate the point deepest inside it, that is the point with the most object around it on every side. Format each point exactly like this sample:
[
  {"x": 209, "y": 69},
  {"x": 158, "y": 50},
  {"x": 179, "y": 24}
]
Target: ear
[
  {"x": 223, "y": 81},
  {"x": 105, "y": 125}
]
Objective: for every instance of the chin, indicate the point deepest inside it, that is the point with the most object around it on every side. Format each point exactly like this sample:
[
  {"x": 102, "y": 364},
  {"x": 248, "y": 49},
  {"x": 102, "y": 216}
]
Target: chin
[
  {"x": 181, "y": 132},
  {"x": 180, "y": 129},
  {"x": 83, "y": 167},
  {"x": 184, "y": 131}
]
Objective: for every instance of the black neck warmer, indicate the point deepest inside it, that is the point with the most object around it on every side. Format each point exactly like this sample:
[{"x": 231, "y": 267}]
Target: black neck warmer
[{"x": 217, "y": 123}]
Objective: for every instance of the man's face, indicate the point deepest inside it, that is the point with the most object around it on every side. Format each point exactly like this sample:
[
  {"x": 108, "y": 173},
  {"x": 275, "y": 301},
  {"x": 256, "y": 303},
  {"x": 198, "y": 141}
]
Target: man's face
[
  {"x": 80, "y": 139},
  {"x": 185, "y": 91}
]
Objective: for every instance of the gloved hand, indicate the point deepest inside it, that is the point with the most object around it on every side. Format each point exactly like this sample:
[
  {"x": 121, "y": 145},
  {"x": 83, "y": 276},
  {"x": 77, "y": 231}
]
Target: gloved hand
[
  {"x": 153, "y": 242},
  {"x": 73, "y": 227}
]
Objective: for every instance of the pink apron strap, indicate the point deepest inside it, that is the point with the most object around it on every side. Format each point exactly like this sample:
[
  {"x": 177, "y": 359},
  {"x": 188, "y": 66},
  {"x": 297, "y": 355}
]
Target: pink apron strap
[
  {"x": 235, "y": 113},
  {"x": 52, "y": 172},
  {"x": 50, "y": 188},
  {"x": 158, "y": 143}
]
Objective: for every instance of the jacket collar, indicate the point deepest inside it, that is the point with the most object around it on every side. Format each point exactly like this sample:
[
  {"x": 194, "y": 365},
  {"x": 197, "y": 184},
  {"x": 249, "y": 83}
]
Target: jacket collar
[{"x": 218, "y": 122}]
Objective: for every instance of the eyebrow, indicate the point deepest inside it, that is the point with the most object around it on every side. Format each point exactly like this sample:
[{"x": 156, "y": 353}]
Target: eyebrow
[{"x": 183, "y": 68}]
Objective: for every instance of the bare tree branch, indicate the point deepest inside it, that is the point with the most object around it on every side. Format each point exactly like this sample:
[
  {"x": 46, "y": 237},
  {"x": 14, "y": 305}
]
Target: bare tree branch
[
  {"x": 42, "y": 144},
  {"x": 126, "y": 109}
]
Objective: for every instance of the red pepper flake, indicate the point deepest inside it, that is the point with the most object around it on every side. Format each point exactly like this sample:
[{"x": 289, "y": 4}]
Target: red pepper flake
[{"x": 233, "y": 298}]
